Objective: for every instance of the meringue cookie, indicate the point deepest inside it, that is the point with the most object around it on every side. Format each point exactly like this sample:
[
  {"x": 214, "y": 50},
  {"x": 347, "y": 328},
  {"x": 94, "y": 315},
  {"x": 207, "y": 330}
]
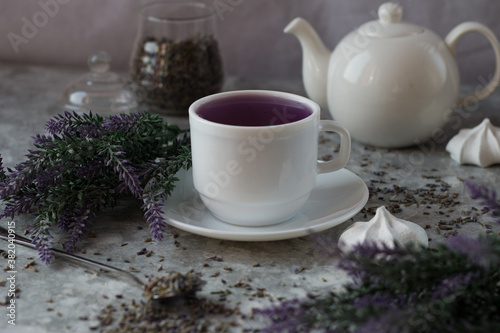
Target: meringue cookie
[
  {"x": 383, "y": 228},
  {"x": 479, "y": 146}
]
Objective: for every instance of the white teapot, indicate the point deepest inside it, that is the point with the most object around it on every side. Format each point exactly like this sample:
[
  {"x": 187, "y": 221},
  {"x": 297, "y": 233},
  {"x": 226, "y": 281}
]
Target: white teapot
[{"x": 391, "y": 83}]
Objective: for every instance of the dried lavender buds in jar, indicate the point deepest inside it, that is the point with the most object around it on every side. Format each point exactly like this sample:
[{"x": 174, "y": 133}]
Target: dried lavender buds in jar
[{"x": 174, "y": 74}]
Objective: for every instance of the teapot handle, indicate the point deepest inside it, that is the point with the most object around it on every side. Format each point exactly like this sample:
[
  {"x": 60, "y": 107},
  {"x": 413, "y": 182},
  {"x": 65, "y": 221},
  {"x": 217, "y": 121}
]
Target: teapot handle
[{"x": 451, "y": 41}]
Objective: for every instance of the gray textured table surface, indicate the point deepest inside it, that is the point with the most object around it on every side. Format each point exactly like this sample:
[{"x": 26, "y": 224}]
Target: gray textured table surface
[{"x": 66, "y": 298}]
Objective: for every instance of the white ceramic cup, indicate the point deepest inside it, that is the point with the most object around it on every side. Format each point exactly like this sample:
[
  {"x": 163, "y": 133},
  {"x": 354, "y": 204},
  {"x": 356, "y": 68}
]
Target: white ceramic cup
[{"x": 255, "y": 154}]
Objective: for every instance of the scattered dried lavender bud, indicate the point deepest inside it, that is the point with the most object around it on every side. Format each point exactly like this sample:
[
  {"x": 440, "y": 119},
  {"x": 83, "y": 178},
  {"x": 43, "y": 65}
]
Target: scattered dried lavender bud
[
  {"x": 31, "y": 265},
  {"x": 298, "y": 270},
  {"x": 215, "y": 258},
  {"x": 142, "y": 252}
]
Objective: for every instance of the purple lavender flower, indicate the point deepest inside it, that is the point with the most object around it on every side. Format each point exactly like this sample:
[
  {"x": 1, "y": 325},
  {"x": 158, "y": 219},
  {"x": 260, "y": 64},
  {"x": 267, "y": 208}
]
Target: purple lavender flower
[
  {"x": 41, "y": 139},
  {"x": 123, "y": 122},
  {"x": 286, "y": 317},
  {"x": 354, "y": 262},
  {"x": 384, "y": 323},
  {"x": 23, "y": 175},
  {"x": 382, "y": 301},
  {"x": 125, "y": 170},
  {"x": 58, "y": 124},
  {"x": 454, "y": 284},
  {"x": 41, "y": 238},
  {"x": 78, "y": 226},
  {"x": 153, "y": 206},
  {"x": 44, "y": 245},
  {"x": 154, "y": 217},
  {"x": 19, "y": 204},
  {"x": 478, "y": 250},
  {"x": 90, "y": 131},
  {"x": 3, "y": 175},
  {"x": 65, "y": 222},
  {"x": 485, "y": 196},
  {"x": 49, "y": 177},
  {"x": 90, "y": 169},
  {"x": 68, "y": 122}
]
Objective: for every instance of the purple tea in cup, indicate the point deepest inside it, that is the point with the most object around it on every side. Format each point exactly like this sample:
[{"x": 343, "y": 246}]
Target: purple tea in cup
[{"x": 252, "y": 111}]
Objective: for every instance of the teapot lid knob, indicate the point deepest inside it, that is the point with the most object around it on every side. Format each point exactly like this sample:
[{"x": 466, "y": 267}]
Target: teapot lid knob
[{"x": 390, "y": 12}]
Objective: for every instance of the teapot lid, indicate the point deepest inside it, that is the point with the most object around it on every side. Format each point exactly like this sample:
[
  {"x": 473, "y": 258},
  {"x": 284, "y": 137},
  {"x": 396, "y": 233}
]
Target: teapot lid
[{"x": 389, "y": 24}]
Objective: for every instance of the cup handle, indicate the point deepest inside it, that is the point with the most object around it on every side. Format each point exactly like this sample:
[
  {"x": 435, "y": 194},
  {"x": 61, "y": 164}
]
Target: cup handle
[
  {"x": 345, "y": 146},
  {"x": 452, "y": 39}
]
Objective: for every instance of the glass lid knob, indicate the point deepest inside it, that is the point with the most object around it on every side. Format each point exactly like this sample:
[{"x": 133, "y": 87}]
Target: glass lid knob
[{"x": 99, "y": 62}]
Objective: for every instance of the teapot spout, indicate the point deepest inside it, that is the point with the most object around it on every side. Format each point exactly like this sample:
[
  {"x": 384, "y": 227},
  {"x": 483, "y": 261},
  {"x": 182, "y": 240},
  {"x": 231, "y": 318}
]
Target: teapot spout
[{"x": 315, "y": 59}]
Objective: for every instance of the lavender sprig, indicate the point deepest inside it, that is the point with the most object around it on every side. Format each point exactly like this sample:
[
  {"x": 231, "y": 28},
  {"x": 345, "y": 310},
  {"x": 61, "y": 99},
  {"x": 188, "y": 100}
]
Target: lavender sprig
[
  {"x": 404, "y": 290},
  {"x": 41, "y": 237},
  {"x": 485, "y": 196},
  {"x": 85, "y": 164},
  {"x": 20, "y": 203},
  {"x": 130, "y": 122},
  {"x": 286, "y": 317},
  {"x": 153, "y": 205},
  {"x": 78, "y": 226},
  {"x": 3, "y": 175},
  {"x": 71, "y": 122},
  {"x": 23, "y": 174},
  {"x": 115, "y": 157},
  {"x": 159, "y": 176}
]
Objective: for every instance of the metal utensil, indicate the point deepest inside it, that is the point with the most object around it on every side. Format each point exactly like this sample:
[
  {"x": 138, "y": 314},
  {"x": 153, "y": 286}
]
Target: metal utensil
[{"x": 160, "y": 299}]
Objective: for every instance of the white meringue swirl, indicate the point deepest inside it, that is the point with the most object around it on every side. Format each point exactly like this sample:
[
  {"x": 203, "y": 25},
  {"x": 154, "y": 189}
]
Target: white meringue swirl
[
  {"x": 478, "y": 146},
  {"x": 383, "y": 228}
]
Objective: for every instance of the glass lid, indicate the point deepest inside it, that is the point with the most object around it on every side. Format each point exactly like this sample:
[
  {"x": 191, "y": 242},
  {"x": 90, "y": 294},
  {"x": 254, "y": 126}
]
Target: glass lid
[{"x": 99, "y": 91}]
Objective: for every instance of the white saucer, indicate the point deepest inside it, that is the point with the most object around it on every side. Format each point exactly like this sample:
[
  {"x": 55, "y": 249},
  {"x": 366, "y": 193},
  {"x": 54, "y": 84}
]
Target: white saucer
[{"x": 338, "y": 196}]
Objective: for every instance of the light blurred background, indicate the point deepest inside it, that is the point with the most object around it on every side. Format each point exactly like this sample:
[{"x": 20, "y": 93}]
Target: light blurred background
[{"x": 250, "y": 31}]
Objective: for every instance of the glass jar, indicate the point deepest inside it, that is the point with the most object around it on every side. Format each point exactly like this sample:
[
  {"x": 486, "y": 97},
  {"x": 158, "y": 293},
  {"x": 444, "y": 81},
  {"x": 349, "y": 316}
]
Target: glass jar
[{"x": 176, "y": 59}]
